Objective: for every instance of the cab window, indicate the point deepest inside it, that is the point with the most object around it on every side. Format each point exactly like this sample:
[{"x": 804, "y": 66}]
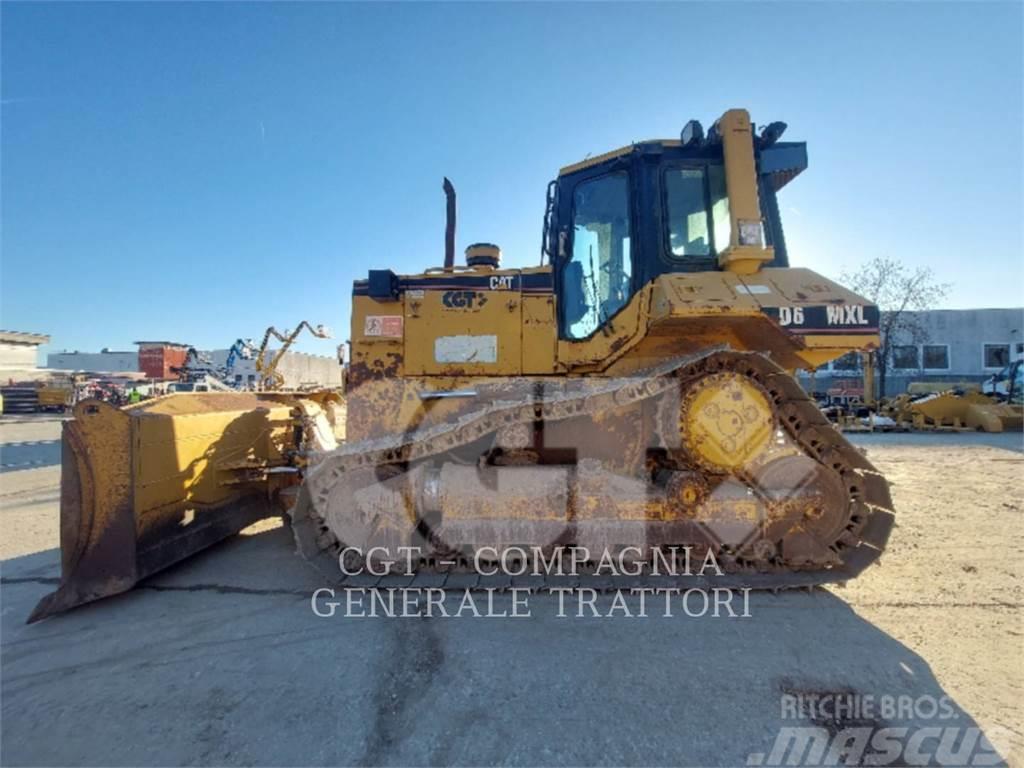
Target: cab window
[
  {"x": 694, "y": 232},
  {"x": 597, "y": 280},
  {"x": 687, "y": 213}
]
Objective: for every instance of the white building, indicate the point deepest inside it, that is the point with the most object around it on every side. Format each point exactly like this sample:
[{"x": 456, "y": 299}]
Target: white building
[
  {"x": 104, "y": 361},
  {"x": 19, "y": 350},
  {"x": 959, "y": 345}
]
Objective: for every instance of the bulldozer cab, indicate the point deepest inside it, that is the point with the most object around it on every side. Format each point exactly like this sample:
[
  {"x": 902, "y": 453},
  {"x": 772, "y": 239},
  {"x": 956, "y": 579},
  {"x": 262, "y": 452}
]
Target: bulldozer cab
[
  {"x": 616, "y": 222},
  {"x": 657, "y": 249}
]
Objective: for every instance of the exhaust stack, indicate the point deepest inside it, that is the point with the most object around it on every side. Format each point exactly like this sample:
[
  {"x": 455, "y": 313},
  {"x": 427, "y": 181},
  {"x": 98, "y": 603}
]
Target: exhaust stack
[{"x": 449, "y": 228}]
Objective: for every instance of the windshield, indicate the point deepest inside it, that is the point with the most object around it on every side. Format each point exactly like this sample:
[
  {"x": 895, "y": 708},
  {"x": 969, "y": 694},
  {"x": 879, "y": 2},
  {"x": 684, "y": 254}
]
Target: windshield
[{"x": 597, "y": 280}]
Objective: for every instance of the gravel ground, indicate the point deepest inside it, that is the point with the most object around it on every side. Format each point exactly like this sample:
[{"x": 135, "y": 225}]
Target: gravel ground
[{"x": 220, "y": 661}]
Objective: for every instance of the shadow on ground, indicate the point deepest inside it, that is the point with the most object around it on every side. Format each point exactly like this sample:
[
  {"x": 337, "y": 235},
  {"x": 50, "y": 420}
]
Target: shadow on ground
[{"x": 221, "y": 661}]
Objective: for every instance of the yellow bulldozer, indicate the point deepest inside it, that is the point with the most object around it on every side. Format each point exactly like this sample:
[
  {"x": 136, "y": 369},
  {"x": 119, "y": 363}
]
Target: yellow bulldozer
[{"x": 631, "y": 394}]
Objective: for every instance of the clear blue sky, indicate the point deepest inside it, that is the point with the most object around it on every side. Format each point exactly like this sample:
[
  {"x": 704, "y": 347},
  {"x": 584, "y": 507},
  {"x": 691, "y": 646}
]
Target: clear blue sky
[{"x": 199, "y": 171}]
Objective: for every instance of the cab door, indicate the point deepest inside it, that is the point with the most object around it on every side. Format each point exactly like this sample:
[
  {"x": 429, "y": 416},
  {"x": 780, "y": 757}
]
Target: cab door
[
  {"x": 464, "y": 325},
  {"x": 598, "y": 278},
  {"x": 597, "y": 271}
]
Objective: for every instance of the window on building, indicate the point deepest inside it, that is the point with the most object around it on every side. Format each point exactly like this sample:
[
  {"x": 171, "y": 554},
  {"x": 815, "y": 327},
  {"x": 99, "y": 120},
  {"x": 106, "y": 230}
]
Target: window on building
[
  {"x": 935, "y": 357},
  {"x": 996, "y": 355},
  {"x": 848, "y": 362},
  {"x": 904, "y": 357}
]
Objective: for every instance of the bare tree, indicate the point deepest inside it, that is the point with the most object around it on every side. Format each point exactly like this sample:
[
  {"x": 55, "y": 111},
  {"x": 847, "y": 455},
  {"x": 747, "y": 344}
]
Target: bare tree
[{"x": 901, "y": 294}]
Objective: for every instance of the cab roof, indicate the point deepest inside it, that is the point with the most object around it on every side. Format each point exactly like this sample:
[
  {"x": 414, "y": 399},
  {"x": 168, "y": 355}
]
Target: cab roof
[{"x": 781, "y": 162}]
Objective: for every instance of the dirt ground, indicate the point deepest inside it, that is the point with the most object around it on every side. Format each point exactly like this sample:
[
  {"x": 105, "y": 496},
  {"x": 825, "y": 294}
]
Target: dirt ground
[
  {"x": 949, "y": 590},
  {"x": 951, "y": 584}
]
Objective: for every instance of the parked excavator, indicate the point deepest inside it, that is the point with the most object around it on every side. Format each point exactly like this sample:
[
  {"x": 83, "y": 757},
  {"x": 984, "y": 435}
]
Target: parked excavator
[
  {"x": 242, "y": 349},
  {"x": 633, "y": 393}
]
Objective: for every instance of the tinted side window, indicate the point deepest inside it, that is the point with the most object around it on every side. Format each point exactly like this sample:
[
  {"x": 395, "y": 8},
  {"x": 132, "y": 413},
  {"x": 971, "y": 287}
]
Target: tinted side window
[{"x": 688, "y": 231}]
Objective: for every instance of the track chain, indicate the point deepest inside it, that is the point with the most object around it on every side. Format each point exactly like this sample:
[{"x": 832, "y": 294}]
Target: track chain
[{"x": 509, "y": 403}]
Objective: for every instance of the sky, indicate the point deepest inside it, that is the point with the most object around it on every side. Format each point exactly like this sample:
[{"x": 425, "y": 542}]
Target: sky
[{"x": 199, "y": 171}]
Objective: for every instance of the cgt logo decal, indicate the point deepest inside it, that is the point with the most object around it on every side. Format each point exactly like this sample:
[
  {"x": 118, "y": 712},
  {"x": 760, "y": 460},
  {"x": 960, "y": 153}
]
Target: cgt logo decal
[{"x": 463, "y": 299}]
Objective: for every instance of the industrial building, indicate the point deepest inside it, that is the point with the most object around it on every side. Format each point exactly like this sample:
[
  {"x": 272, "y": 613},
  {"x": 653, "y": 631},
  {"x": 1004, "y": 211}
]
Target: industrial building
[
  {"x": 959, "y": 345},
  {"x": 19, "y": 351},
  {"x": 158, "y": 359},
  {"x": 106, "y": 360}
]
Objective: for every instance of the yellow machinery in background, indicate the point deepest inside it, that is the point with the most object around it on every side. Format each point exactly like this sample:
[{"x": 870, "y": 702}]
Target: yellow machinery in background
[
  {"x": 919, "y": 388},
  {"x": 56, "y": 396},
  {"x": 962, "y": 406},
  {"x": 954, "y": 409},
  {"x": 932, "y": 406},
  {"x": 633, "y": 394},
  {"x": 267, "y": 362}
]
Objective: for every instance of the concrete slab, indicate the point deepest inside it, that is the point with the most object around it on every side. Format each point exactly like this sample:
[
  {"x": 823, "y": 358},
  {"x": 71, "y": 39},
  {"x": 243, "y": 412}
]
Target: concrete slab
[{"x": 186, "y": 670}]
